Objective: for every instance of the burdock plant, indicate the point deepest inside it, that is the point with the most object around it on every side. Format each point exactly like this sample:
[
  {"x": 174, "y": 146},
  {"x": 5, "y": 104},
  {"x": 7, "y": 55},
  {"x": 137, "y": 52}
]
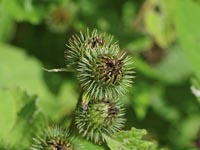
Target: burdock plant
[{"x": 105, "y": 73}]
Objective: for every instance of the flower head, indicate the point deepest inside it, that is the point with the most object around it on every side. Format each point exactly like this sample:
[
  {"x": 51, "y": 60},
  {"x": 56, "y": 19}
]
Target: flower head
[
  {"x": 53, "y": 138},
  {"x": 102, "y": 117},
  {"x": 105, "y": 73}
]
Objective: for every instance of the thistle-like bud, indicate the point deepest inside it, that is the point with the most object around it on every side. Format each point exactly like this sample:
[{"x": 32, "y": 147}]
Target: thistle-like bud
[
  {"x": 105, "y": 73},
  {"x": 80, "y": 44},
  {"x": 53, "y": 138},
  {"x": 102, "y": 117}
]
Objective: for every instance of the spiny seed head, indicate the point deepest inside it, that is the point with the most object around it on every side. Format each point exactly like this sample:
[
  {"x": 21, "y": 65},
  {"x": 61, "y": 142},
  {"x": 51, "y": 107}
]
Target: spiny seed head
[
  {"x": 105, "y": 73},
  {"x": 86, "y": 42},
  {"x": 101, "y": 117},
  {"x": 53, "y": 138}
]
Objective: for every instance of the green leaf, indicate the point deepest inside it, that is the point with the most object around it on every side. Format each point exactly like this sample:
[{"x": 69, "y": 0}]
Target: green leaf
[
  {"x": 25, "y": 10},
  {"x": 129, "y": 140},
  {"x": 26, "y": 73},
  {"x": 6, "y": 25},
  {"x": 22, "y": 71},
  {"x": 158, "y": 21},
  {"x": 86, "y": 145},
  {"x": 19, "y": 117},
  {"x": 188, "y": 30}
]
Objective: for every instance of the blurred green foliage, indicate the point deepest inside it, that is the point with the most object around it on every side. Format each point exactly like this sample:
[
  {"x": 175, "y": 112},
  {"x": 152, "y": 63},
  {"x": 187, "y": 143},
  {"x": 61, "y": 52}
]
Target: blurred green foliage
[{"x": 162, "y": 35}]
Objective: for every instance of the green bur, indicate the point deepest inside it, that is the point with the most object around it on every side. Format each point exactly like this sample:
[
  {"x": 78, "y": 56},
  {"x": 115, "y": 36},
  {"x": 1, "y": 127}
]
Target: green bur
[{"x": 99, "y": 118}]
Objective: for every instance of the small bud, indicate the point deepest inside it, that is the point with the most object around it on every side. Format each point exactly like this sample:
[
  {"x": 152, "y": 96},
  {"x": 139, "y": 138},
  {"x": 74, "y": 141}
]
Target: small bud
[
  {"x": 53, "y": 138},
  {"x": 102, "y": 117}
]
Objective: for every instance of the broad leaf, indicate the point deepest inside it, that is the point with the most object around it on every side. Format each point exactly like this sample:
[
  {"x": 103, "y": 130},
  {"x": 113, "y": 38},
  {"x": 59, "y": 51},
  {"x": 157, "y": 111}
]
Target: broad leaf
[
  {"x": 129, "y": 140},
  {"x": 26, "y": 73},
  {"x": 19, "y": 117}
]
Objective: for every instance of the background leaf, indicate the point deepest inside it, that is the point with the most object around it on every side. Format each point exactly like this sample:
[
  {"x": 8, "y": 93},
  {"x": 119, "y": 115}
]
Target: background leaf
[
  {"x": 20, "y": 118},
  {"x": 188, "y": 30},
  {"x": 26, "y": 73},
  {"x": 129, "y": 140}
]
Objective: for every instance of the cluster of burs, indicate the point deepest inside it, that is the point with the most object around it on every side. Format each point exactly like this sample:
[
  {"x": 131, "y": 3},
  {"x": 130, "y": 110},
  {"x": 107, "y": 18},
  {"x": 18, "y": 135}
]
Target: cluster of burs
[{"x": 105, "y": 72}]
